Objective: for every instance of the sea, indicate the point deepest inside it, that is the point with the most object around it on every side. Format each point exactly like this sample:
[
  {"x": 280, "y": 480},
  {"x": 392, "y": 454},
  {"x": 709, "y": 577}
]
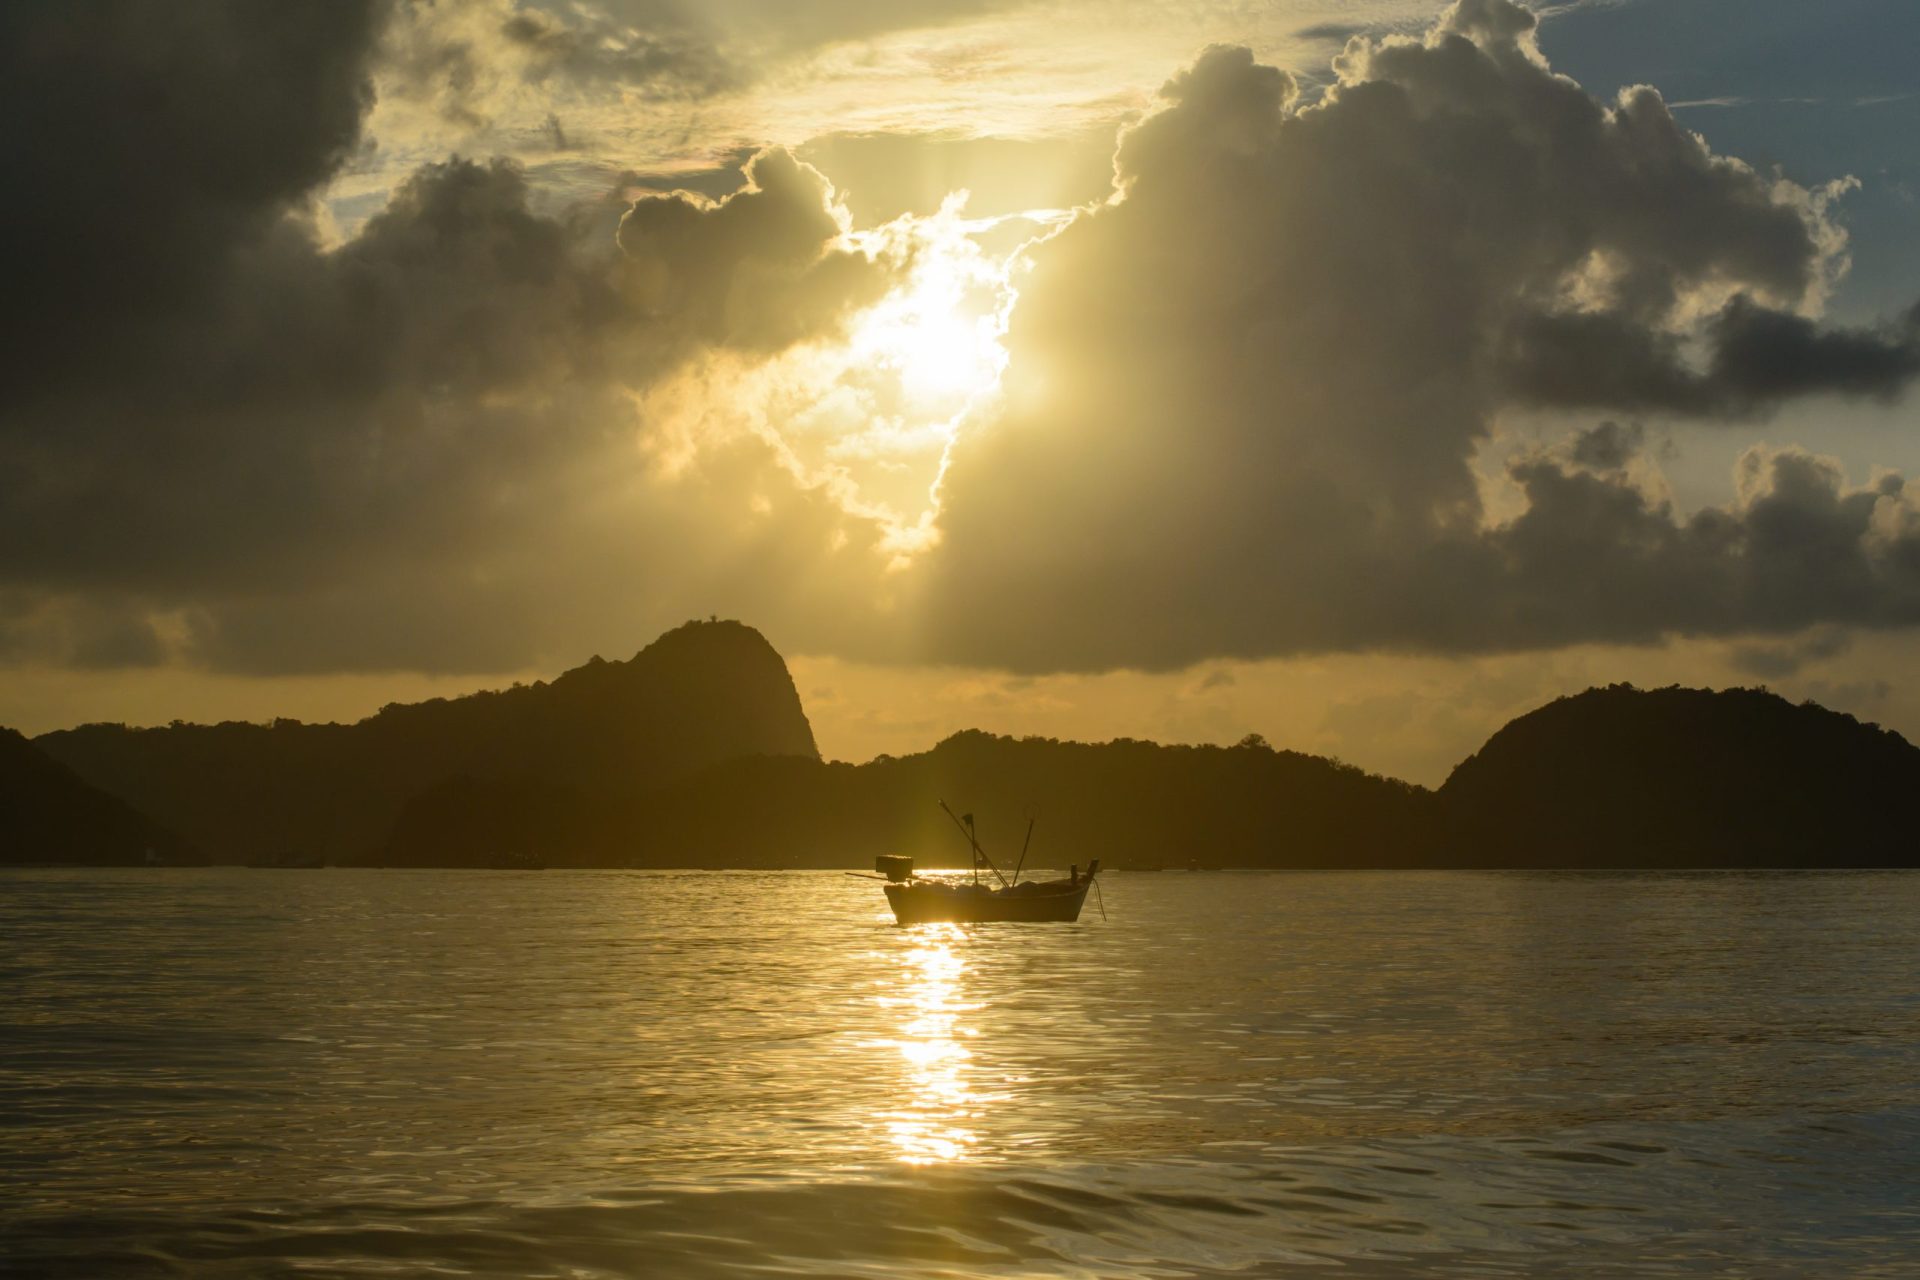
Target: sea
[{"x": 382, "y": 1073}]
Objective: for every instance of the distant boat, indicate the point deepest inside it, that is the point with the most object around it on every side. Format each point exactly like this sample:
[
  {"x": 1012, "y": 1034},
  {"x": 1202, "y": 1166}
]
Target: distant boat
[{"x": 916, "y": 900}]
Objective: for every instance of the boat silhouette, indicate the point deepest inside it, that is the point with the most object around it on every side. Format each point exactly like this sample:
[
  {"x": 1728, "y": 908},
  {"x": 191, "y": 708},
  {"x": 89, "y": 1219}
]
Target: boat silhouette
[{"x": 918, "y": 900}]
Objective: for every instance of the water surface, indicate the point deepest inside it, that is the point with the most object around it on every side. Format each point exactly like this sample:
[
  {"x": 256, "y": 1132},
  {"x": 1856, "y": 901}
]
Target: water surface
[{"x": 596, "y": 1074}]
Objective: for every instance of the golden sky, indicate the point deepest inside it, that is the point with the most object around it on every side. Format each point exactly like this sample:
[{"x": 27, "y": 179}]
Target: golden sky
[{"x": 1360, "y": 374}]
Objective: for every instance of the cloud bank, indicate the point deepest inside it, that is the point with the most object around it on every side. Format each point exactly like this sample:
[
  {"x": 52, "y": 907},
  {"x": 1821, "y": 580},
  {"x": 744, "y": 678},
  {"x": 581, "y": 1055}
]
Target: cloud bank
[
  {"x": 1245, "y": 412},
  {"x": 223, "y": 441},
  {"x": 1245, "y": 400}
]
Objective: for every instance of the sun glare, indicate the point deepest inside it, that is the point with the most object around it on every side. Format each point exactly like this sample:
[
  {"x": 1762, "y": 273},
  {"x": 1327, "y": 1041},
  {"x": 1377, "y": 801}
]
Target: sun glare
[
  {"x": 939, "y": 333},
  {"x": 868, "y": 416}
]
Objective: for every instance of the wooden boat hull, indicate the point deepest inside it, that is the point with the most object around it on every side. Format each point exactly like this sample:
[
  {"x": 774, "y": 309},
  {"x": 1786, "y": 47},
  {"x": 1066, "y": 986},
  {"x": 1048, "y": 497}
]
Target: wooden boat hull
[{"x": 925, "y": 901}]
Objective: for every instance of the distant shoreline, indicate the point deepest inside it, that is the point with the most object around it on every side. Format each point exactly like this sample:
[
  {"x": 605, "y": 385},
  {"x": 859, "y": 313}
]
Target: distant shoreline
[{"x": 697, "y": 753}]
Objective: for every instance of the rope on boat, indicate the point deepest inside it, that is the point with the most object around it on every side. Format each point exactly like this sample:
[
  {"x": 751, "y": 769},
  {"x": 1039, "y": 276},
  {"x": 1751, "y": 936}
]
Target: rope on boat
[{"x": 1100, "y": 897}]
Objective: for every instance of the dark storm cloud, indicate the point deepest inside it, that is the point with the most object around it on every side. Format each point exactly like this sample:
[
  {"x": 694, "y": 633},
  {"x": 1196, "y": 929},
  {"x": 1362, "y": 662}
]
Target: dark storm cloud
[
  {"x": 1244, "y": 402},
  {"x": 1755, "y": 357},
  {"x": 145, "y": 145},
  {"x": 217, "y": 433},
  {"x": 310, "y": 406},
  {"x": 341, "y": 437},
  {"x": 1761, "y": 355}
]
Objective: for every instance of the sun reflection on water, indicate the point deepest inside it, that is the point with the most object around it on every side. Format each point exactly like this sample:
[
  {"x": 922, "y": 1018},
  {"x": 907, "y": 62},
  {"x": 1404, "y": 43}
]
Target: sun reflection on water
[{"x": 931, "y": 1119}]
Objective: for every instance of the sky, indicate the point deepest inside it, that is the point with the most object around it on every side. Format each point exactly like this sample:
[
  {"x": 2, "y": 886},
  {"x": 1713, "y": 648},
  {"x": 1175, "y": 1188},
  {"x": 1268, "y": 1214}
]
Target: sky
[{"x": 1361, "y": 375}]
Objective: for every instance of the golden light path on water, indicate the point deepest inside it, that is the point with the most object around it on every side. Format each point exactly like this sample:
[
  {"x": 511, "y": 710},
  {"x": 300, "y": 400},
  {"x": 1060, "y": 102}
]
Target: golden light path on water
[{"x": 932, "y": 1120}]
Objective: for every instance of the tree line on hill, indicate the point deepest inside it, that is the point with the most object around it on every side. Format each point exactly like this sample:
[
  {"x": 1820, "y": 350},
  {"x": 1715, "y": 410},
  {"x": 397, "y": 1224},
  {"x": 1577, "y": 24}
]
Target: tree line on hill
[{"x": 697, "y": 753}]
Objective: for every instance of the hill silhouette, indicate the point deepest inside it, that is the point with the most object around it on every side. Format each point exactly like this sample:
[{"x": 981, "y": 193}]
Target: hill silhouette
[
  {"x": 48, "y": 815},
  {"x": 702, "y": 693},
  {"x": 696, "y": 753},
  {"x": 1624, "y": 777},
  {"x": 1126, "y": 802},
  {"x": 1614, "y": 777}
]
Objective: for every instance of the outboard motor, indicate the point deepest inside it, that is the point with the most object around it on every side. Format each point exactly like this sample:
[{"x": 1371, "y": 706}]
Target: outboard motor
[{"x": 896, "y": 867}]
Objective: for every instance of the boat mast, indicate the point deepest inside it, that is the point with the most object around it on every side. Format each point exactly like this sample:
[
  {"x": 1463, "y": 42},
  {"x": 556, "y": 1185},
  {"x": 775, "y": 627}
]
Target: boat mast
[
  {"x": 973, "y": 842},
  {"x": 1023, "y": 852}
]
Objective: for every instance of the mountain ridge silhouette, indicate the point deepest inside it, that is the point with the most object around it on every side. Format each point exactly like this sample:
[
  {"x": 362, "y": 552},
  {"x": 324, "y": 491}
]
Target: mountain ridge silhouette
[
  {"x": 1619, "y": 777},
  {"x": 697, "y": 752},
  {"x": 49, "y": 813},
  {"x": 700, "y": 693}
]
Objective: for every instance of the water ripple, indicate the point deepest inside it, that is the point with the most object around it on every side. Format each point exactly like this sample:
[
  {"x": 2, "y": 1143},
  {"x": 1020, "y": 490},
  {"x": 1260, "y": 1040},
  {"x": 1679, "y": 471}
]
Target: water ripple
[{"x": 255, "y": 1073}]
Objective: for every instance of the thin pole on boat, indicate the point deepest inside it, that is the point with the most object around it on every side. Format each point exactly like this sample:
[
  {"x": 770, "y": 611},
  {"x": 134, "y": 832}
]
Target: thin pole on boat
[
  {"x": 973, "y": 842},
  {"x": 973, "y": 849},
  {"x": 1023, "y": 853}
]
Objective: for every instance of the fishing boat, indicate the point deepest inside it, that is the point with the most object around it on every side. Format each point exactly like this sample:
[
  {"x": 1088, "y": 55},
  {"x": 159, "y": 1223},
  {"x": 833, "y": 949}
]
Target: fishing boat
[{"x": 918, "y": 900}]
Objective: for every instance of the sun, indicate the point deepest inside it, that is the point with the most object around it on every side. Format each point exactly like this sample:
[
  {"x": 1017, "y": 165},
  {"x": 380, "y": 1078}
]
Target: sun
[
  {"x": 938, "y": 332},
  {"x": 868, "y": 417}
]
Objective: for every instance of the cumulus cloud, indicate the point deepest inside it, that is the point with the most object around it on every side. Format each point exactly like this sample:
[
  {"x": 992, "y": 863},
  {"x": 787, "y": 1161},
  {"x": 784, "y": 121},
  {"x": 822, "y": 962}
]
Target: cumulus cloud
[
  {"x": 753, "y": 269},
  {"x": 222, "y": 441},
  {"x": 1244, "y": 401}
]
